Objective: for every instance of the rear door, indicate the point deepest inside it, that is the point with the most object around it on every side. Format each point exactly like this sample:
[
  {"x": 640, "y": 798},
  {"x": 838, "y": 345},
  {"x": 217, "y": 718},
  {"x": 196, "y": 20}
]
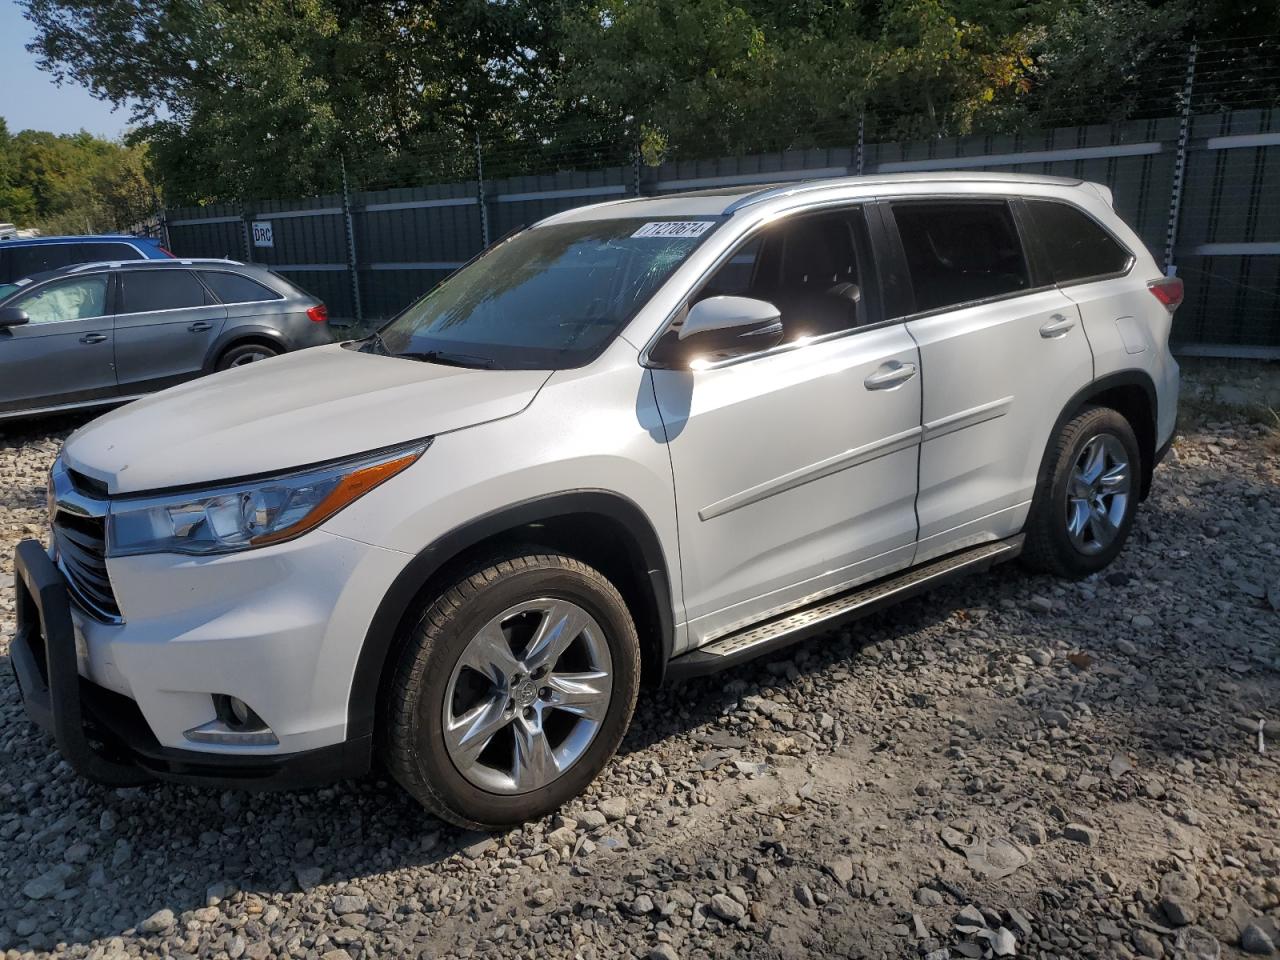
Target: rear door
[
  {"x": 1002, "y": 352},
  {"x": 166, "y": 323},
  {"x": 63, "y": 354}
]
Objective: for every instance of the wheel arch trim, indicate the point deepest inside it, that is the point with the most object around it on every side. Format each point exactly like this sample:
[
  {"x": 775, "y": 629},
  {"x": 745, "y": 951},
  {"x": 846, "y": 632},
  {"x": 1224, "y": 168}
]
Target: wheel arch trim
[
  {"x": 234, "y": 336},
  {"x": 379, "y": 640},
  {"x": 1088, "y": 393}
]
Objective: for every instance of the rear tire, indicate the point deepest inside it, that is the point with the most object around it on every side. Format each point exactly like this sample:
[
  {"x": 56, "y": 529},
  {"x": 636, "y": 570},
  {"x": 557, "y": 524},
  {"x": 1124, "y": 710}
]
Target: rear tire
[
  {"x": 247, "y": 353},
  {"x": 512, "y": 690},
  {"x": 1086, "y": 497}
]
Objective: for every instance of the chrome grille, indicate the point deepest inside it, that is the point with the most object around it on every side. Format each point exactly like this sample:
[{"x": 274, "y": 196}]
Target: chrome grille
[
  {"x": 79, "y": 506},
  {"x": 82, "y": 550}
]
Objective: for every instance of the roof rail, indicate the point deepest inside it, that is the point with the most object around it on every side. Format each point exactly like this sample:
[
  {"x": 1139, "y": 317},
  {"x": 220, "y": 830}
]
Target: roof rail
[
  {"x": 170, "y": 263},
  {"x": 773, "y": 191}
]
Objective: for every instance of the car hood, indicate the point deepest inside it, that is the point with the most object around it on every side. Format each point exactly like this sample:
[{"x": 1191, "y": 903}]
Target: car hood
[{"x": 291, "y": 411}]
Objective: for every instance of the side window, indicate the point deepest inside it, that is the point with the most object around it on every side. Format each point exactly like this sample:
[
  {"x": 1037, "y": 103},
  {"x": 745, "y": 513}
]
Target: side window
[
  {"x": 960, "y": 252},
  {"x": 145, "y": 290},
  {"x": 1075, "y": 245},
  {"x": 76, "y": 298},
  {"x": 39, "y": 257},
  {"x": 106, "y": 250},
  {"x": 815, "y": 268},
  {"x": 233, "y": 288}
]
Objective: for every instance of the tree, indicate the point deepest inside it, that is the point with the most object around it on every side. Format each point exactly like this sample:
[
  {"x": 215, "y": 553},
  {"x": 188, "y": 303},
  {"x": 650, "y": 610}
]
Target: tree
[{"x": 72, "y": 183}]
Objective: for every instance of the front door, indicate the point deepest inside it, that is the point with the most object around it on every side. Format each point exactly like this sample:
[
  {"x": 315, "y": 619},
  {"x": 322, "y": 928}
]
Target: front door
[
  {"x": 166, "y": 323},
  {"x": 795, "y": 469},
  {"x": 63, "y": 354}
]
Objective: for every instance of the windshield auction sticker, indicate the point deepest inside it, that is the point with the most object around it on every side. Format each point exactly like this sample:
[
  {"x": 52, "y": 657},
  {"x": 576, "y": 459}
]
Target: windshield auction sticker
[{"x": 675, "y": 228}]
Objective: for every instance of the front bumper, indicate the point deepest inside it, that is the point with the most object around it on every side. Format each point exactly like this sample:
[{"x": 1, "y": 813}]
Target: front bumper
[{"x": 103, "y": 735}]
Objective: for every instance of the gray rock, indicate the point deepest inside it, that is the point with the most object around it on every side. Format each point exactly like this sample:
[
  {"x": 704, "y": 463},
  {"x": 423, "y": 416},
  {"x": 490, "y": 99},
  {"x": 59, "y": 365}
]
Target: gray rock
[
  {"x": 1143, "y": 622},
  {"x": 726, "y": 908},
  {"x": 161, "y": 921},
  {"x": 663, "y": 951},
  {"x": 593, "y": 819},
  {"x": 1179, "y": 912},
  {"x": 542, "y": 896},
  {"x": 1029, "y": 832},
  {"x": 345, "y": 903},
  {"x": 1041, "y": 658},
  {"x": 842, "y": 869},
  {"x": 1040, "y": 604},
  {"x": 929, "y": 897},
  {"x": 1196, "y": 943},
  {"x": 805, "y": 896},
  {"x": 308, "y": 877},
  {"x": 1079, "y": 833},
  {"x": 1254, "y": 940},
  {"x": 615, "y": 808},
  {"x": 49, "y": 883},
  {"x": 970, "y": 916},
  {"x": 1056, "y": 718},
  {"x": 1147, "y": 944},
  {"x": 1126, "y": 647}
]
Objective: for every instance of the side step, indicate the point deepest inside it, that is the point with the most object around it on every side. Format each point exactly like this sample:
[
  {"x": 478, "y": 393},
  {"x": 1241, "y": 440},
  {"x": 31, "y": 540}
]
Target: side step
[{"x": 823, "y": 615}]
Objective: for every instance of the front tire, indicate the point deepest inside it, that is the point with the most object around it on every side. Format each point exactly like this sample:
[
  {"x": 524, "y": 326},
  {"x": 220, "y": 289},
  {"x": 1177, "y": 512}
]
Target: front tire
[
  {"x": 1086, "y": 498},
  {"x": 513, "y": 689}
]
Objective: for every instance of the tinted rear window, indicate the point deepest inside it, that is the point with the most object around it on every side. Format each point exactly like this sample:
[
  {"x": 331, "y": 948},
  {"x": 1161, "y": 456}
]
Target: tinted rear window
[
  {"x": 234, "y": 288},
  {"x": 145, "y": 290},
  {"x": 960, "y": 252},
  {"x": 105, "y": 250},
  {"x": 1076, "y": 246},
  {"x": 25, "y": 261}
]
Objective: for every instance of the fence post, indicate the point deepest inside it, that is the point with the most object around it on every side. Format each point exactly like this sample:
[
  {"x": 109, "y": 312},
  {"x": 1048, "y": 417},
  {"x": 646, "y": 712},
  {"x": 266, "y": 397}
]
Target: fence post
[
  {"x": 244, "y": 233},
  {"x": 351, "y": 243},
  {"x": 1180, "y": 164},
  {"x": 862, "y": 122},
  {"x": 164, "y": 229},
  {"x": 484, "y": 207}
]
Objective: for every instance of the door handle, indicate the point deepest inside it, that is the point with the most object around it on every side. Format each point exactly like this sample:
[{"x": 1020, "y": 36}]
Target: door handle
[
  {"x": 93, "y": 338},
  {"x": 890, "y": 375},
  {"x": 1056, "y": 326},
  {"x": 200, "y": 326}
]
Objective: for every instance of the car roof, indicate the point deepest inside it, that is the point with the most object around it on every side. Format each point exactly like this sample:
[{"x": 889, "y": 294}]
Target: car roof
[
  {"x": 87, "y": 238},
  {"x": 261, "y": 271},
  {"x": 725, "y": 201}
]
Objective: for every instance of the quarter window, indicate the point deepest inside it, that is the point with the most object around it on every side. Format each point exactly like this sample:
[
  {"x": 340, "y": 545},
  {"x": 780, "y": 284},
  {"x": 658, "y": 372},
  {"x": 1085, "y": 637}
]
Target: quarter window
[
  {"x": 147, "y": 290},
  {"x": 1075, "y": 245},
  {"x": 105, "y": 251},
  {"x": 233, "y": 288},
  {"x": 960, "y": 252},
  {"x": 78, "y": 298}
]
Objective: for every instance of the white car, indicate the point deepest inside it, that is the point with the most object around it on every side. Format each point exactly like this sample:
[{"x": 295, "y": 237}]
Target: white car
[{"x": 641, "y": 440}]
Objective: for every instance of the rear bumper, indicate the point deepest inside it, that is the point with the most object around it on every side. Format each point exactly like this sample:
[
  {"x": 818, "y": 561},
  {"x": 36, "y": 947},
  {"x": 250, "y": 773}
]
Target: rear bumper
[{"x": 102, "y": 734}]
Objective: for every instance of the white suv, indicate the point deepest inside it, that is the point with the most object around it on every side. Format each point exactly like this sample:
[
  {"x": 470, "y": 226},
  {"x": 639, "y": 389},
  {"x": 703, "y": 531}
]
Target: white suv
[{"x": 650, "y": 438}]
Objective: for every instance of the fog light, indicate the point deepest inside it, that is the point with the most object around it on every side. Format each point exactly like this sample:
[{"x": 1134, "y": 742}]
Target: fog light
[{"x": 237, "y": 724}]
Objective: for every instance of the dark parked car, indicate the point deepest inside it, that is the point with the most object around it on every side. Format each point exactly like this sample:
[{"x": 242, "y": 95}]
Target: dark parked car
[
  {"x": 102, "y": 333},
  {"x": 27, "y": 256}
]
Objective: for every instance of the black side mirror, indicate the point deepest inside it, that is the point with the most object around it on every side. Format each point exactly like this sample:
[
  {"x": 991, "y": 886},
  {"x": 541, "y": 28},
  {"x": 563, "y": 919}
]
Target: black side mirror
[{"x": 13, "y": 317}]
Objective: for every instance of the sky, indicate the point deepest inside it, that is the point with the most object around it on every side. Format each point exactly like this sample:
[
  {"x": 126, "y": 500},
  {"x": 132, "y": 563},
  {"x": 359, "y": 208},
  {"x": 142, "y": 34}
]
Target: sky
[{"x": 29, "y": 99}]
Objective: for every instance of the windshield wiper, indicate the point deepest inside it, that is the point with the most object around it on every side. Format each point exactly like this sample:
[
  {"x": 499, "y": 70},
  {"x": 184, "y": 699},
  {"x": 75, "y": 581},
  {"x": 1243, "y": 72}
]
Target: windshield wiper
[
  {"x": 374, "y": 344},
  {"x": 450, "y": 359}
]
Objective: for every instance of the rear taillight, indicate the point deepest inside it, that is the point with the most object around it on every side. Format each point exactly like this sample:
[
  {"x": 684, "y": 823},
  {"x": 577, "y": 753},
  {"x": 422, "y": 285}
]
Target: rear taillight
[
  {"x": 1168, "y": 290},
  {"x": 319, "y": 313}
]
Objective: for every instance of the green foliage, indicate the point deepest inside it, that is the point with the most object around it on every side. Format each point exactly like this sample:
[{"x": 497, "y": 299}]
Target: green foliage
[
  {"x": 72, "y": 183},
  {"x": 253, "y": 98}
]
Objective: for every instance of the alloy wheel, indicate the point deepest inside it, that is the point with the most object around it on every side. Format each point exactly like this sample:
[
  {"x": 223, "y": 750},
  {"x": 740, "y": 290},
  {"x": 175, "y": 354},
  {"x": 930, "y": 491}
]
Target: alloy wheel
[
  {"x": 1098, "y": 493},
  {"x": 527, "y": 696}
]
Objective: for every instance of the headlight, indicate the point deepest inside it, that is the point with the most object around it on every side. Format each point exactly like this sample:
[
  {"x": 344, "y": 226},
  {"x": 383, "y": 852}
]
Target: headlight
[{"x": 252, "y": 513}]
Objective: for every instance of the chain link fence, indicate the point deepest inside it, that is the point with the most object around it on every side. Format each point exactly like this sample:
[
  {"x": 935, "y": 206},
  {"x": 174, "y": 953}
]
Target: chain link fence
[{"x": 1188, "y": 140}]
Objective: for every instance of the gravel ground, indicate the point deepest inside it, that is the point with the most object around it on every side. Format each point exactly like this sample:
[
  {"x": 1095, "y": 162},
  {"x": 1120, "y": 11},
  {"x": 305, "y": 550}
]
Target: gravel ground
[{"x": 1012, "y": 766}]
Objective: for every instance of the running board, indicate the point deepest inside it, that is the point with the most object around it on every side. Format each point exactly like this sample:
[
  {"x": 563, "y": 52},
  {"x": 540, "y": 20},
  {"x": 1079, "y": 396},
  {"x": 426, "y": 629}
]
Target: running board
[{"x": 825, "y": 614}]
